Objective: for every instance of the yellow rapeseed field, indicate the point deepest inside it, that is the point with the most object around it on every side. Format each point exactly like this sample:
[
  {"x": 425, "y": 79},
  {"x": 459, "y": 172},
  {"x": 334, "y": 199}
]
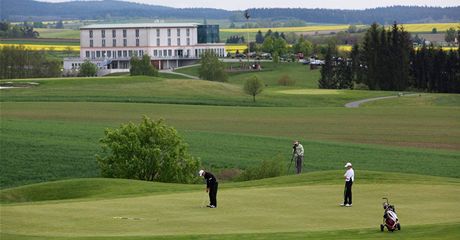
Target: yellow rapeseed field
[
  {"x": 36, "y": 47},
  {"x": 418, "y": 27}
]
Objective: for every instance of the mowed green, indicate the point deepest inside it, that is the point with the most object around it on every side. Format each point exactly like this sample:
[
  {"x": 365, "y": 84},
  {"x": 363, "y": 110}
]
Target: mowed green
[{"x": 253, "y": 209}]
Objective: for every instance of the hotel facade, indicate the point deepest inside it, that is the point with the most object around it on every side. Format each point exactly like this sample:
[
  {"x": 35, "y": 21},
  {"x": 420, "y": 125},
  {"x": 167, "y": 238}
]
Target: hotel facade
[{"x": 169, "y": 45}]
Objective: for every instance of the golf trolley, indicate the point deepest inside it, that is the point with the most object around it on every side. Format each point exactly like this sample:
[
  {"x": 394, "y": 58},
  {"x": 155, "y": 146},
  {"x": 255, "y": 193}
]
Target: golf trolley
[{"x": 390, "y": 219}]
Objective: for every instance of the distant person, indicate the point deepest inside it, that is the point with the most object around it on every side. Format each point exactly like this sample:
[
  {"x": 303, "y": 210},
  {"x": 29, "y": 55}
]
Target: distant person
[
  {"x": 297, "y": 151},
  {"x": 211, "y": 187},
  {"x": 349, "y": 179}
]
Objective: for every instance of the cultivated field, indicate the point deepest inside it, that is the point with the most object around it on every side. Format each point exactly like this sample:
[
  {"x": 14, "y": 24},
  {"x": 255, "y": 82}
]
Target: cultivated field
[{"x": 406, "y": 149}]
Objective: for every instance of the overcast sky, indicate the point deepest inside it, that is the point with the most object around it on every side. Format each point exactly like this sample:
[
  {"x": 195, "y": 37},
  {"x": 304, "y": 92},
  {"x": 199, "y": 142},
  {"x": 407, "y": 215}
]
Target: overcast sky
[{"x": 336, "y": 4}]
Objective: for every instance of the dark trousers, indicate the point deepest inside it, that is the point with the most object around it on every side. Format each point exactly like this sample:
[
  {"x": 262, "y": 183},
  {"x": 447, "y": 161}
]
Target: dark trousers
[
  {"x": 213, "y": 194},
  {"x": 298, "y": 164},
  {"x": 347, "y": 192}
]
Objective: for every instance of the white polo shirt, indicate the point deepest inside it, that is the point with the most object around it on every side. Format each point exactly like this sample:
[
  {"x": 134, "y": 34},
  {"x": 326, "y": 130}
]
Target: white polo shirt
[{"x": 350, "y": 174}]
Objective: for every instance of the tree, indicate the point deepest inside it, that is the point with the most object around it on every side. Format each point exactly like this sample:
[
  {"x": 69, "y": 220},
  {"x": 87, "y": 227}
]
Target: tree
[
  {"x": 303, "y": 46},
  {"x": 327, "y": 72},
  {"x": 259, "y": 37},
  {"x": 451, "y": 34},
  {"x": 142, "y": 66},
  {"x": 151, "y": 151},
  {"x": 88, "y": 69},
  {"x": 253, "y": 86},
  {"x": 212, "y": 68},
  {"x": 60, "y": 24}
]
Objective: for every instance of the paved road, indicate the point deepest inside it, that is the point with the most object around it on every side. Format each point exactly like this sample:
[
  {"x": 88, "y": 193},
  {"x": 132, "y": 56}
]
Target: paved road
[{"x": 357, "y": 103}]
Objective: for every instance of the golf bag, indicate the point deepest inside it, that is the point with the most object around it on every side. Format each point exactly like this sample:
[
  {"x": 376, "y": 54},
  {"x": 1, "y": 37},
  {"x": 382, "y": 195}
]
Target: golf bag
[{"x": 390, "y": 219}]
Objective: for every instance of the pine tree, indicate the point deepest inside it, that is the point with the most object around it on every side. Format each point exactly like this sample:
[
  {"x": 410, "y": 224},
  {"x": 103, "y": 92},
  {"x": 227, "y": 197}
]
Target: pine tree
[{"x": 327, "y": 72}]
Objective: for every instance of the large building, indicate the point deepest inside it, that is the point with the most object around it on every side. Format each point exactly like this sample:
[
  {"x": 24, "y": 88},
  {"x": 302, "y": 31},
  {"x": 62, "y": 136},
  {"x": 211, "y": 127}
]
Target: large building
[{"x": 169, "y": 45}]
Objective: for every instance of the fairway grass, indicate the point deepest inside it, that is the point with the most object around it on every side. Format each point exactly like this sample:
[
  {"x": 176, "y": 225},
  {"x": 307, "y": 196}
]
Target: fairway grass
[{"x": 281, "y": 209}]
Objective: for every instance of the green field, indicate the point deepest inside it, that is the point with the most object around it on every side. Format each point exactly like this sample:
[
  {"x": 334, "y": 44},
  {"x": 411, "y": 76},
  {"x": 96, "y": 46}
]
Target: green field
[
  {"x": 404, "y": 148},
  {"x": 58, "y": 33}
]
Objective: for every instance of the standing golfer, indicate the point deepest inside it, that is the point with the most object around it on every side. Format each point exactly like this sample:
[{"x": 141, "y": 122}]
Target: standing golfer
[
  {"x": 349, "y": 179},
  {"x": 297, "y": 151},
  {"x": 211, "y": 187}
]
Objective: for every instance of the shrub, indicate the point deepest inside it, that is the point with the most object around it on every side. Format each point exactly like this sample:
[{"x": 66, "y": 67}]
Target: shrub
[
  {"x": 149, "y": 151},
  {"x": 142, "y": 67},
  {"x": 360, "y": 86},
  {"x": 266, "y": 169},
  {"x": 285, "y": 80},
  {"x": 88, "y": 69}
]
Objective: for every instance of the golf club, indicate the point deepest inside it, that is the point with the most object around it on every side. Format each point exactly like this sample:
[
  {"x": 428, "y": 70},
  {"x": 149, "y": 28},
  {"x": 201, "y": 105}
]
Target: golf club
[{"x": 203, "y": 203}]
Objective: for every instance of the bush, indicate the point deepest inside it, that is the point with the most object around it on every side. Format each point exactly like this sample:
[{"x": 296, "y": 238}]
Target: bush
[
  {"x": 142, "y": 67},
  {"x": 88, "y": 69},
  {"x": 266, "y": 169},
  {"x": 149, "y": 151},
  {"x": 360, "y": 86},
  {"x": 286, "y": 81}
]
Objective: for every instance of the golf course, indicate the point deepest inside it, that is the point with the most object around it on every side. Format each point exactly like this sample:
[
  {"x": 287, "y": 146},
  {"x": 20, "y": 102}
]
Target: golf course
[{"x": 406, "y": 149}]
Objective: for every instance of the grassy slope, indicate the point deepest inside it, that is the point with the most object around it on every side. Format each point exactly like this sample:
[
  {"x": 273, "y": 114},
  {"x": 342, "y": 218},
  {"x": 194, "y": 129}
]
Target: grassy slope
[{"x": 288, "y": 207}]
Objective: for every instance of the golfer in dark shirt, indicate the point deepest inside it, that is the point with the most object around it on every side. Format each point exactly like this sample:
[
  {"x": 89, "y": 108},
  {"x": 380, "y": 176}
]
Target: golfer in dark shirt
[{"x": 211, "y": 187}]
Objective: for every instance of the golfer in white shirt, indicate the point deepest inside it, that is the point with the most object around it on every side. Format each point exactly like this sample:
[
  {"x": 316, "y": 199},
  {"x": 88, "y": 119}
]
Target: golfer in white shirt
[{"x": 349, "y": 179}]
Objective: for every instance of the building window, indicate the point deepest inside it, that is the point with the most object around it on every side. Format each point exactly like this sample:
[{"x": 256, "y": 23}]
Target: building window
[
  {"x": 155, "y": 53},
  {"x": 109, "y": 54},
  {"x": 98, "y": 54},
  {"x": 169, "y": 41},
  {"x": 93, "y": 54},
  {"x": 130, "y": 53},
  {"x": 91, "y": 33},
  {"x": 87, "y": 54},
  {"x": 114, "y": 33},
  {"x": 137, "y": 32},
  {"x": 103, "y": 42},
  {"x": 141, "y": 52},
  {"x": 158, "y": 32},
  {"x": 119, "y": 54},
  {"x": 170, "y": 52},
  {"x": 178, "y": 32},
  {"x": 158, "y": 42},
  {"x": 178, "y": 41},
  {"x": 188, "y": 32},
  {"x": 114, "y": 54},
  {"x": 91, "y": 43},
  {"x": 188, "y": 52},
  {"x": 160, "y": 53},
  {"x": 188, "y": 41},
  {"x": 104, "y": 54},
  {"x": 124, "y": 33},
  {"x": 169, "y": 32},
  {"x": 165, "y": 52},
  {"x": 103, "y": 33},
  {"x": 125, "y": 42},
  {"x": 125, "y": 53},
  {"x": 114, "y": 42},
  {"x": 137, "y": 42}
]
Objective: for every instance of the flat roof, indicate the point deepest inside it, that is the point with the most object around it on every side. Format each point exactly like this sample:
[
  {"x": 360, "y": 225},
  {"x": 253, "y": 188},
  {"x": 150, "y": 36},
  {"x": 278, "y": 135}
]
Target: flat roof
[{"x": 140, "y": 25}]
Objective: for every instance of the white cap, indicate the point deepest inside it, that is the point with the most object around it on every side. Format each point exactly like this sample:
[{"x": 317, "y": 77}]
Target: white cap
[
  {"x": 348, "y": 164},
  {"x": 201, "y": 172}
]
